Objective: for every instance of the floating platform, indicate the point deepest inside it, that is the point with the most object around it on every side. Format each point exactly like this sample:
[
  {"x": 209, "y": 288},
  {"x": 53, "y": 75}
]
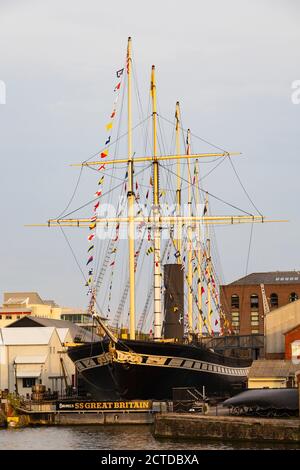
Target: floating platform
[
  {"x": 69, "y": 413},
  {"x": 201, "y": 427}
]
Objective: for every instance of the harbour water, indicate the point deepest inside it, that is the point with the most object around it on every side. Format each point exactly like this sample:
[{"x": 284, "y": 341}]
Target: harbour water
[{"x": 110, "y": 438}]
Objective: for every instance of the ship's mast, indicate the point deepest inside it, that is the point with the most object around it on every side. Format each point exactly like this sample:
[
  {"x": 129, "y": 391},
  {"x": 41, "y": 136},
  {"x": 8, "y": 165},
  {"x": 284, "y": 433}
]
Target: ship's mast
[
  {"x": 208, "y": 269},
  {"x": 189, "y": 242},
  {"x": 130, "y": 201},
  {"x": 178, "y": 189},
  {"x": 156, "y": 217},
  {"x": 198, "y": 251}
]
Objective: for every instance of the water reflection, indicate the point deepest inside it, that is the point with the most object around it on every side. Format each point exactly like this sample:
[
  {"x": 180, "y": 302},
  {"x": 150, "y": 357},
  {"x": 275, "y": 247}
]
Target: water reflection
[{"x": 110, "y": 438}]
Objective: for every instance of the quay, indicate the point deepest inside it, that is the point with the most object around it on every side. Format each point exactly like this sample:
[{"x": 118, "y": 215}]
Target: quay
[{"x": 227, "y": 428}]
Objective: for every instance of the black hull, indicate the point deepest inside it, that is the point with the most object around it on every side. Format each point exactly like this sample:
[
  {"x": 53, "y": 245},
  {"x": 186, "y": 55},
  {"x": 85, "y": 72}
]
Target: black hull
[{"x": 160, "y": 368}]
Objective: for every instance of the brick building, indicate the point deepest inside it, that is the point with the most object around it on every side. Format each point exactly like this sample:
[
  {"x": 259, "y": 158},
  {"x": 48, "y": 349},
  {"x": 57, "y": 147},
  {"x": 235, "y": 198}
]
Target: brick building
[
  {"x": 242, "y": 299},
  {"x": 292, "y": 344}
]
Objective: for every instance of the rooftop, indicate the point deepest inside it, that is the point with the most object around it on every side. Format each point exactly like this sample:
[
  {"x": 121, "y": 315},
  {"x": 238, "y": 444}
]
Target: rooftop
[
  {"x": 29, "y": 336},
  {"x": 62, "y": 326},
  {"x": 272, "y": 368},
  {"x": 275, "y": 277},
  {"x": 14, "y": 297}
]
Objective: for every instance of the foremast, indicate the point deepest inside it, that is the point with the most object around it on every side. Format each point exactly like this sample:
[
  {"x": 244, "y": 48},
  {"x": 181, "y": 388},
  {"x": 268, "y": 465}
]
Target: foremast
[
  {"x": 130, "y": 201},
  {"x": 156, "y": 218}
]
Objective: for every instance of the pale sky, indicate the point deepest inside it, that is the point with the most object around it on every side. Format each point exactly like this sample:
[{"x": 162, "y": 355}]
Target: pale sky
[{"x": 231, "y": 64}]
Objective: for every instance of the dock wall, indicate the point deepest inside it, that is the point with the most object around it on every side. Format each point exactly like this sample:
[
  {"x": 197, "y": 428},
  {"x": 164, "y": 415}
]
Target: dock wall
[{"x": 183, "y": 426}]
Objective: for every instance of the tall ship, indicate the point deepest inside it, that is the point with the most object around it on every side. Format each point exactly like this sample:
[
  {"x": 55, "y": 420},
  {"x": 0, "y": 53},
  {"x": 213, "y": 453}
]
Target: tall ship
[{"x": 149, "y": 272}]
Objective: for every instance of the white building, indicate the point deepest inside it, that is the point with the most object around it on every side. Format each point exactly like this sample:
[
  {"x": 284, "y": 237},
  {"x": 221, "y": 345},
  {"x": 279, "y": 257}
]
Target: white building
[{"x": 30, "y": 356}]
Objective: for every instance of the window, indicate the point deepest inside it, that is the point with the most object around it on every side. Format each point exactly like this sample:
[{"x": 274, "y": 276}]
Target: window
[
  {"x": 8, "y": 317},
  {"x": 254, "y": 319},
  {"x": 0, "y": 317},
  {"x": 274, "y": 300},
  {"x": 28, "y": 382},
  {"x": 254, "y": 302},
  {"x": 235, "y": 301},
  {"x": 293, "y": 297},
  {"x": 235, "y": 321}
]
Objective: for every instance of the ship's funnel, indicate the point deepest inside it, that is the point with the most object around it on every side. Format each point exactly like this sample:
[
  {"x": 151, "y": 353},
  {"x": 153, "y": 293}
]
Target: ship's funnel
[{"x": 173, "y": 302}]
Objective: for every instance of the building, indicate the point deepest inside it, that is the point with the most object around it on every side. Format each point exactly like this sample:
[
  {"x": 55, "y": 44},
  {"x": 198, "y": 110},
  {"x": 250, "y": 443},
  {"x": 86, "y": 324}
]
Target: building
[
  {"x": 272, "y": 374},
  {"x": 292, "y": 344},
  {"x": 68, "y": 332},
  {"x": 242, "y": 300},
  {"x": 283, "y": 331},
  {"x": 29, "y": 356},
  {"x": 17, "y": 305}
]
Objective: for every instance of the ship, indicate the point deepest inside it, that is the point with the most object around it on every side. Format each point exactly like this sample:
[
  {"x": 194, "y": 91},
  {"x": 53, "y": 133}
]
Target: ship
[{"x": 169, "y": 355}]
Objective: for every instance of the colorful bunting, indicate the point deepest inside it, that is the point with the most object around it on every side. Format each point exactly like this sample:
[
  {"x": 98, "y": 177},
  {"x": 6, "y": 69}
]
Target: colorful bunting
[
  {"x": 109, "y": 126},
  {"x": 119, "y": 73},
  {"x": 90, "y": 260}
]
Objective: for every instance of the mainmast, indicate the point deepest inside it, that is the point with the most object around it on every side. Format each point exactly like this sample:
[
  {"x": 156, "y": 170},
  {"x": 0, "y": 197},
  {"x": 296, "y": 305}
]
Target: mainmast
[
  {"x": 178, "y": 189},
  {"x": 130, "y": 201},
  {"x": 189, "y": 242},
  {"x": 208, "y": 269},
  {"x": 156, "y": 217},
  {"x": 198, "y": 251}
]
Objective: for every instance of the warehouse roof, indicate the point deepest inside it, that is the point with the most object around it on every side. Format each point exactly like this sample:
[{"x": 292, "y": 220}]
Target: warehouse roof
[
  {"x": 33, "y": 297},
  {"x": 272, "y": 368},
  {"x": 275, "y": 277},
  {"x": 78, "y": 333},
  {"x": 20, "y": 336}
]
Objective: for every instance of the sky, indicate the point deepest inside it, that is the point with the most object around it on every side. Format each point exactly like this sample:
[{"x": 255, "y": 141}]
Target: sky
[{"x": 231, "y": 64}]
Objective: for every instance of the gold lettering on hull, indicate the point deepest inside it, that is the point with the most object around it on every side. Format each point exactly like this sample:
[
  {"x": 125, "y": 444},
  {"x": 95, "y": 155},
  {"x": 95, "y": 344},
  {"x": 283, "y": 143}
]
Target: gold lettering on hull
[{"x": 113, "y": 405}]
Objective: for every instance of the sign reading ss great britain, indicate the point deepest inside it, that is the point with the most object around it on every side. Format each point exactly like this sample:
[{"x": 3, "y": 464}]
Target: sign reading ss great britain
[{"x": 104, "y": 405}]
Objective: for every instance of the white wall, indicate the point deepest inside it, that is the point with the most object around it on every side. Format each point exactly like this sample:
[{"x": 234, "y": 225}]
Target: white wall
[
  {"x": 52, "y": 366},
  {"x": 278, "y": 322}
]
